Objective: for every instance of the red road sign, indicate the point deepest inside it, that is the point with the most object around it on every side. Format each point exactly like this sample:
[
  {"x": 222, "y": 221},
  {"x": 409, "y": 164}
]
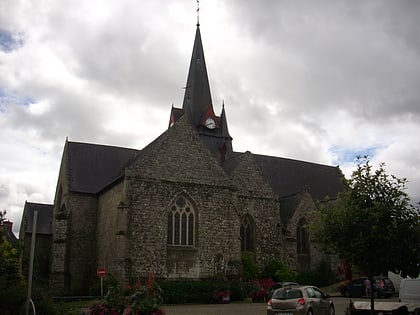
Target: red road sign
[{"x": 101, "y": 272}]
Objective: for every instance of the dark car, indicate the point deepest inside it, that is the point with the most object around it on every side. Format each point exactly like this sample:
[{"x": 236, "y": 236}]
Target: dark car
[
  {"x": 382, "y": 287},
  {"x": 300, "y": 300}
]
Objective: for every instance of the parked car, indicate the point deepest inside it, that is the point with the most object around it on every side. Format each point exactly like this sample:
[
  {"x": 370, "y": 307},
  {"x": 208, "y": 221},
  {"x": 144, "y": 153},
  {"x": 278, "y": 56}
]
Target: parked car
[
  {"x": 279, "y": 285},
  {"x": 409, "y": 291},
  {"x": 300, "y": 300},
  {"x": 382, "y": 287}
]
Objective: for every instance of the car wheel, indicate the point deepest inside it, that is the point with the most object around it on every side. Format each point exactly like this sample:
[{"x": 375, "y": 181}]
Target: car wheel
[{"x": 332, "y": 310}]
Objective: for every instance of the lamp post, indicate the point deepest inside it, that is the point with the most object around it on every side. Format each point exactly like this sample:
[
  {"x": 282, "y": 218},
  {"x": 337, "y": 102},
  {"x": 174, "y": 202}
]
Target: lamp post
[{"x": 31, "y": 264}]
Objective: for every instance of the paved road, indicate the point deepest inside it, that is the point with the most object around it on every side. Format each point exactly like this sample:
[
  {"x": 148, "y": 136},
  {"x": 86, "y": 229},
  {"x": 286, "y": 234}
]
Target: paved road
[{"x": 236, "y": 308}]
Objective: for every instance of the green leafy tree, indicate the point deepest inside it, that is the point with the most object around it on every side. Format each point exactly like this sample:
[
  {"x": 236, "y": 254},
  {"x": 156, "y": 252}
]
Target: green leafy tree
[
  {"x": 372, "y": 224},
  {"x": 12, "y": 285}
]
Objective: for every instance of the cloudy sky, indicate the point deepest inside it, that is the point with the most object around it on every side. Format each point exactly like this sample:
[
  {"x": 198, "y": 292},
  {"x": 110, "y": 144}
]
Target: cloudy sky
[{"x": 320, "y": 81}]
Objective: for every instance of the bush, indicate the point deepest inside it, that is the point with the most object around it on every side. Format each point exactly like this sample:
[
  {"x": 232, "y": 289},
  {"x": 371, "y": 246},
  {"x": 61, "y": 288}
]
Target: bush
[
  {"x": 249, "y": 268},
  {"x": 322, "y": 276},
  {"x": 278, "y": 272},
  {"x": 12, "y": 284},
  {"x": 306, "y": 278},
  {"x": 143, "y": 298},
  {"x": 12, "y": 298},
  {"x": 204, "y": 291}
]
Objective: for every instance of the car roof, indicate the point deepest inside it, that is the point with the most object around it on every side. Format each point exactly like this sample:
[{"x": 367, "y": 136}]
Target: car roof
[{"x": 298, "y": 287}]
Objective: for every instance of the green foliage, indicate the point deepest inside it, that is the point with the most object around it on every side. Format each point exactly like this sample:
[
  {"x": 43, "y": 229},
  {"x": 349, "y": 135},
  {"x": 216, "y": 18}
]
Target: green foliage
[
  {"x": 204, "y": 291},
  {"x": 115, "y": 297},
  {"x": 237, "y": 292},
  {"x": 69, "y": 308},
  {"x": 249, "y": 268},
  {"x": 372, "y": 224},
  {"x": 142, "y": 298},
  {"x": 145, "y": 298},
  {"x": 322, "y": 276},
  {"x": 278, "y": 272},
  {"x": 305, "y": 278},
  {"x": 12, "y": 284}
]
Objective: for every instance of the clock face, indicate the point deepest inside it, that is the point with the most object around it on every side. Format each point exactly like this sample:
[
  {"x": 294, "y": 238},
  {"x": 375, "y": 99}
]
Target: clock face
[{"x": 210, "y": 123}]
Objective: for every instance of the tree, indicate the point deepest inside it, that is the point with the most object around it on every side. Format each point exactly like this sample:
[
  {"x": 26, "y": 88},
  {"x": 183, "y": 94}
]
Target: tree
[
  {"x": 12, "y": 285},
  {"x": 372, "y": 223}
]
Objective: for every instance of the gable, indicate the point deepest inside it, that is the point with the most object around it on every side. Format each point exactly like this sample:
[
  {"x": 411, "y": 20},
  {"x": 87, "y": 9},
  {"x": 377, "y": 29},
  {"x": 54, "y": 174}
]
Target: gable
[
  {"x": 247, "y": 176},
  {"x": 303, "y": 208},
  {"x": 178, "y": 155}
]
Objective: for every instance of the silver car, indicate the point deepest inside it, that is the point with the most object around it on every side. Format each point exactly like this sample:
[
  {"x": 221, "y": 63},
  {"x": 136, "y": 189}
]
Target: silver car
[{"x": 302, "y": 300}]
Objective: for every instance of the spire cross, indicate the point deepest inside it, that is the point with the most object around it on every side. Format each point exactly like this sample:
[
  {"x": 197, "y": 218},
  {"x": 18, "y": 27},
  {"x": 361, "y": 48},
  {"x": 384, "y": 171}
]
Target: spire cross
[{"x": 198, "y": 12}]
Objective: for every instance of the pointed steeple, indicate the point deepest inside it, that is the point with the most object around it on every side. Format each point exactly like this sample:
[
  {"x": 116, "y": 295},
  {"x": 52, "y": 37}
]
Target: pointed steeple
[
  {"x": 197, "y": 97},
  {"x": 198, "y": 109},
  {"x": 223, "y": 123}
]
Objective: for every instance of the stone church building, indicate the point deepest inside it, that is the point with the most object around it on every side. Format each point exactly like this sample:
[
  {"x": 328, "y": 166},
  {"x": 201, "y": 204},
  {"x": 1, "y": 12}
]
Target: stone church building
[{"x": 187, "y": 206}]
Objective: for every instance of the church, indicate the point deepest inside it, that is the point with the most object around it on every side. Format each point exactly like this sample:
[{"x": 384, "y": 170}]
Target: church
[{"x": 186, "y": 206}]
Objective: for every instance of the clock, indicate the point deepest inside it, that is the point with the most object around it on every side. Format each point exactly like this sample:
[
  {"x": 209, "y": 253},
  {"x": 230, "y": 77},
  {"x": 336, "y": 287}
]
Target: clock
[{"x": 210, "y": 123}]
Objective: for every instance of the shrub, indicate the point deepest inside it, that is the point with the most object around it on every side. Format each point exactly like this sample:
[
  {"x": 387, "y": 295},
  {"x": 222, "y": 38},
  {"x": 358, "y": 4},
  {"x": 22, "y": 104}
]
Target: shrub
[
  {"x": 203, "y": 291},
  {"x": 278, "y": 272},
  {"x": 323, "y": 275},
  {"x": 249, "y": 268},
  {"x": 140, "y": 299},
  {"x": 306, "y": 278}
]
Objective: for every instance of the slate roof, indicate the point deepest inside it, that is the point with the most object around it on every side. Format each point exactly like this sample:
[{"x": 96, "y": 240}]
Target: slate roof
[
  {"x": 94, "y": 166},
  {"x": 197, "y": 95},
  {"x": 288, "y": 176},
  {"x": 44, "y": 218}
]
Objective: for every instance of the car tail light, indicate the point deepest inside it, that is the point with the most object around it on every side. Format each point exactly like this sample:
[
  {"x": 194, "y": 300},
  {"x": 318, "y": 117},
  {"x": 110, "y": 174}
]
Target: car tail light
[
  {"x": 301, "y": 301},
  {"x": 270, "y": 304}
]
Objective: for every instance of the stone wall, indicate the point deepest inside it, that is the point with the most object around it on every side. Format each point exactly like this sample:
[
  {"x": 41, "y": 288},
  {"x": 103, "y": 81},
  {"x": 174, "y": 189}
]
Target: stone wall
[
  {"x": 81, "y": 242},
  {"x": 256, "y": 198},
  {"x": 59, "y": 278},
  {"x": 112, "y": 231},
  {"x": 42, "y": 255},
  {"x": 305, "y": 209},
  {"x": 217, "y": 230}
]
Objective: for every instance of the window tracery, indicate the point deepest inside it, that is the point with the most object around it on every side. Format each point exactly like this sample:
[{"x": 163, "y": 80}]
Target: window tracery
[{"x": 181, "y": 222}]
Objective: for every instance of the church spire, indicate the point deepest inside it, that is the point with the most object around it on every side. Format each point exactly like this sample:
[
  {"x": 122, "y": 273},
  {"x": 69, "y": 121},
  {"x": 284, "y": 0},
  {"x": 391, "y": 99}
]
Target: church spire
[
  {"x": 197, "y": 106},
  {"x": 197, "y": 97}
]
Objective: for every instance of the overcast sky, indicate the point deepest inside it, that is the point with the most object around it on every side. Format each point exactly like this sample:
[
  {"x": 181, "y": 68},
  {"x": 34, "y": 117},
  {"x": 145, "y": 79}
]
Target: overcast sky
[{"x": 320, "y": 81}]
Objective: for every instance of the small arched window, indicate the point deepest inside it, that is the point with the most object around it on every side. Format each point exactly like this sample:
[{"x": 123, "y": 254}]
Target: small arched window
[
  {"x": 247, "y": 234},
  {"x": 181, "y": 222}
]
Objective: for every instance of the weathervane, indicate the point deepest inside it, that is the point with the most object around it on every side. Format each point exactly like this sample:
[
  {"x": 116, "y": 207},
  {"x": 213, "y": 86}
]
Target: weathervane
[{"x": 198, "y": 12}]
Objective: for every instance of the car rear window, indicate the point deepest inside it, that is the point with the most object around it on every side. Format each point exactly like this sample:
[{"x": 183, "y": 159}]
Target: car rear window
[{"x": 287, "y": 294}]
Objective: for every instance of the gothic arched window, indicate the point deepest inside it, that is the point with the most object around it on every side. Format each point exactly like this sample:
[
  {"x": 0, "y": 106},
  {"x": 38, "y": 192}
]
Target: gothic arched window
[
  {"x": 181, "y": 222},
  {"x": 247, "y": 234},
  {"x": 302, "y": 237}
]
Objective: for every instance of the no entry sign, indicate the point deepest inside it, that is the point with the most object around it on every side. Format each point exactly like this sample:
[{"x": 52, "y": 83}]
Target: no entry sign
[{"x": 101, "y": 272}]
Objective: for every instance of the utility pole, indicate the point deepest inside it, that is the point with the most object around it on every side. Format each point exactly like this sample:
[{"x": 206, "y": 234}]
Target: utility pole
[{"x": 31, "y": 262}]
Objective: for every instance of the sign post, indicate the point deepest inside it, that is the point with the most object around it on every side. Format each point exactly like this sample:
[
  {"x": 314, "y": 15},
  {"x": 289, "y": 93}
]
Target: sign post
[{"x": 101, "y": 273}]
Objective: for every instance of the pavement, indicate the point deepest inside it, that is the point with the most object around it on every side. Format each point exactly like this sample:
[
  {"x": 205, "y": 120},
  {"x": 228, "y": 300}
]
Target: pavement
[{"x": 332, "y": 290}]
